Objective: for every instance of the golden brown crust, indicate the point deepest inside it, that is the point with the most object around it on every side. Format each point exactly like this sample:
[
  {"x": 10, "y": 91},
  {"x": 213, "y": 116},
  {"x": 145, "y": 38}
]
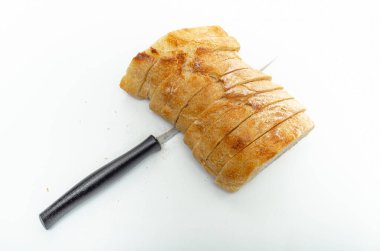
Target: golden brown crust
[
  {"x": 262, "y": 86},
  {"x": 243, "y": 76},
  {"x": 215, "y": 132},
  {"x": 209, "y": 116},
  {"x": 135, "y": 75},
  {"x": 239, "y": 127},
  {"x": 235, "y": 119},
  {"x": 164, "y": 68},
  {"x": 164, "y": 91},
  {"x": 203, "y": 118},
  {"x": 191, "y": 41},
  {"x": 198, "y": 104},
  {"x": 213, "y": 38},
  {"x": 203, "y": 31},
  {"x": 215, "y": 63},
  {"x": 197, "y": 108},
  {"x": 277, "y": 109},
  {"x": 182, "y": 94},
  {"x": 174, "y": 93},
  {"x": 213, "y": 112},
  {"x": 244, "y": 165}
]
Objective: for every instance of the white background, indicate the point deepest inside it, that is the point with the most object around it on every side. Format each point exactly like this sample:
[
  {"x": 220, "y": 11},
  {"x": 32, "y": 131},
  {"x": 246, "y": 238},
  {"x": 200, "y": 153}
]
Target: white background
[{"x": 63, "y": 115}]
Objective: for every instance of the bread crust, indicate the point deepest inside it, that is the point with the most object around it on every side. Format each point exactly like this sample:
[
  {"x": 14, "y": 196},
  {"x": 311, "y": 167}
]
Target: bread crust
[
  {"x": 198, "y": 104},
  {"x": 243, "y": 76},
  {"x": 186, "y": 77},
  {"x": 234, "y": 118},
  {"x": 236, "y": 96},
  {"x": 238, "y": 128},
  {"x": 249, "y": 162},
  {"x": 136, "y": 73},
  {"x": 277, "y": 108},
  {"x": 218, "y": 129},
  {"x": 187, "y": 40}
]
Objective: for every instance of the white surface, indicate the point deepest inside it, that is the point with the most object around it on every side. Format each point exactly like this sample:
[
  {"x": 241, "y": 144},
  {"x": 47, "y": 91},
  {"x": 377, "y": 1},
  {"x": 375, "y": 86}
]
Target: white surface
[{"x": 63, "y": 115}]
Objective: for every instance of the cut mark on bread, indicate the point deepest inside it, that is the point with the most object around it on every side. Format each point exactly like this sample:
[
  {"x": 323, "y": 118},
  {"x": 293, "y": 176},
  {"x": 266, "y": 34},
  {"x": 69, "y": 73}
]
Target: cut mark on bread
[
  {"x": 255, "y": 87},
  {"x": 188, "y": 64},
  {"x": 228, "y": 72},
  {"x": 190, "y": 85},
  {"x": 187, "y": 104},
  {"x": 211, "y": 114},
  {"x": 198, "y": 104},
  {"x": 249, "y": 130},
  {"x": 143, "y": 83},
  {"x": 226, "y": 124},
  {"x": 207, "y": 119},
  {"x": 182, "y": 94},
  {"x": 136, "y": 71},
  {"x": 242, "y": 76},
  {"x": 242, "y": 121},
  {"x": 263, "y": 151},
  {"x": 194, "y": 131},
  {"x": 170, "y": 66}
]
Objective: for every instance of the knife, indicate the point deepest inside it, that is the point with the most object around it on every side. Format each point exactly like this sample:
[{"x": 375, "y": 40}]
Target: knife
[{"x": 105, "y": 174}]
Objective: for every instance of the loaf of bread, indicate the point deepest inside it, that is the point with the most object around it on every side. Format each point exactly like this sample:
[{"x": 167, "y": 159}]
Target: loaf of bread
[{"x": 234, "y": 118}]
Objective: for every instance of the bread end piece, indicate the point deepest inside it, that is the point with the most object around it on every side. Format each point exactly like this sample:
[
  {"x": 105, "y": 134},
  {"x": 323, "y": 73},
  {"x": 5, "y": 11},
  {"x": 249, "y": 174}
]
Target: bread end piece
[
  {"x": 254, "y": 158},
  {"x": 136, "y": 73}
]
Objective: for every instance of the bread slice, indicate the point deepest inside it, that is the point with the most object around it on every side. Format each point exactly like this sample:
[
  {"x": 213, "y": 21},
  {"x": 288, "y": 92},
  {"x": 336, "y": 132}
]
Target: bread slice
[
  {"x": 243, "y": 76},
  {"x": 201, "y": 120},
  {"x": 261, "y": 86},
  {"x": 164, "y": 68},
  {"x": 246, "y": 122},
  {"x": 213, "y": 112},
  {"x": 217, "y": 130},
  {"x": 281, "y": 107},
  {"x": 187, "y": 80},
  {"x": 198, "y": 104},
  {"x": 210, "y": 93},
  {"x": 178, "y": 97},
  {"x": 136, "y": 73},
  {"x": 188, "y": 47},
  {"x": 215, "y": 63},
  {"x": 211, "y": 37},
  {"x": 182, "y": 61},
  {"x": 165, "y": 90},
  {"x": 254, "y": 158},
  {"x": 194, "y": 133}
]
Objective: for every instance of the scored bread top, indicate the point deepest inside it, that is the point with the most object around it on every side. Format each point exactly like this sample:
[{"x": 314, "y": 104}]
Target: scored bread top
[
  {"x": 250, "y": 161},
  {"x": 276, "y": 111},
  {"x": 227, "y": 110}
]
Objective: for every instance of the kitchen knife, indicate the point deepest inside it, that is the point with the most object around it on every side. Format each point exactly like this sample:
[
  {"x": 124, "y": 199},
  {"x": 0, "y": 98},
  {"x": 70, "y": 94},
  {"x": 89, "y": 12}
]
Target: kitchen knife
[{"x": 105, "y": 174}]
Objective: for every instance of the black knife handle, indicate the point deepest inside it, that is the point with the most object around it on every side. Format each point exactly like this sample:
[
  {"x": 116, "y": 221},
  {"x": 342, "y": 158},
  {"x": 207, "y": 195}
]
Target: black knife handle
[{"x": 79, "y": 192}]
